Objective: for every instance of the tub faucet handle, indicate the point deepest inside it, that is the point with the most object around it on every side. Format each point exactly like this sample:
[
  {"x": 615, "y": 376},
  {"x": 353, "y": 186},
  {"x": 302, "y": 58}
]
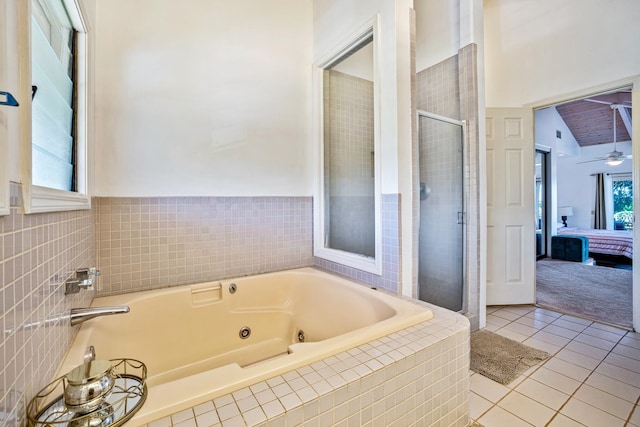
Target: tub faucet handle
[
  {"x": 90, "y": 354},
  {"x": 84, "y": 273},
  {"x": 73, "y": 286}
]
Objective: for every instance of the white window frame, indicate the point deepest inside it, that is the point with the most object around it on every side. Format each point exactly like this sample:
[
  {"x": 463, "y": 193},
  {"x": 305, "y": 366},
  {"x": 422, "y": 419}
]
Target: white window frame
[
  {"x": 4, "y": 112},
  {"x": 348, "y": 259},
  {"x": 43, "y": 199}
]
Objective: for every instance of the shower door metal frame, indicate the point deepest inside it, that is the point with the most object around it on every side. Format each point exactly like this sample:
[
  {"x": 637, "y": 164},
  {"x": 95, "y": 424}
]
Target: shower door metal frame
[{"x": 463, "y": 126}]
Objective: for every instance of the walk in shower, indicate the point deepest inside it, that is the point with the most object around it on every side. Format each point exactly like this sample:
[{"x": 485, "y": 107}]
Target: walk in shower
[{"x": 441, "y": 271}]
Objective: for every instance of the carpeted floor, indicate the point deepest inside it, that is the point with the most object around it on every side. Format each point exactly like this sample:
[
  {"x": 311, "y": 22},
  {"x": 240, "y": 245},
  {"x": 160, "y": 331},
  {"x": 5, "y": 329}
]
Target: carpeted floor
[
  {"x": 598, "y": 293},
  {"x": 501, "y": 359}
]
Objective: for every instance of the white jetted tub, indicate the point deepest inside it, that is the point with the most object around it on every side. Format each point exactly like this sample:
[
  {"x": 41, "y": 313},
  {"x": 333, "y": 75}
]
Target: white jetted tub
[{"x": 194, "y": 340}]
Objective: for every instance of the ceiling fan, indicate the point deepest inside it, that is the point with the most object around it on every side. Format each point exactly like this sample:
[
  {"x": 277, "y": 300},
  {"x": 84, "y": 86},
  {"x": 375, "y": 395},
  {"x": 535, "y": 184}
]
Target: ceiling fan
[{"x": 615, "y": 157}]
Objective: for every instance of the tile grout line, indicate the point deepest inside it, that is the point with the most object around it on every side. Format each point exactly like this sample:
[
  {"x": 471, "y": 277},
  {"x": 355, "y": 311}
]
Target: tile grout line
[
  {"x": 633, "y": 409},
  {"x": 587, "y": 377}
]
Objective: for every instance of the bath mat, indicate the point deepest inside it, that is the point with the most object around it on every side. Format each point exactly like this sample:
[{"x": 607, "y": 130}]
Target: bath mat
[{"x": 501, "y": 359}]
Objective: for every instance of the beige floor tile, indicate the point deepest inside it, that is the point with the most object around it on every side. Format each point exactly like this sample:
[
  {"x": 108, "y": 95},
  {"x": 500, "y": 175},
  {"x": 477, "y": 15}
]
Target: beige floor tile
[
  {"x": 605, "y": 335},
  {"x": 612, "y": 329},
  {"x": 604, "y": 401},
  {"x": 531, "y": 322},
  {"x": 478, "y": 406},
  {"x": 618, "y": 373},
  {"x": 581, "y": 351},
  {"x": 563, "y": 421},
  {"x": 568, "y": 369},
  {"x": 578, "y": 359},
  {"x": 549, "y": 313},
  {"x": 578, "y": 320},
  {"x": 595, "y": 341},
  {"x": 493, "y": 308},
  {"x": 623, "y": 362},
  {"x": 613, "y": 386},
  {"x": 589, "y": 415},
  {"x": 542, "y": 317},
  {"x": 541, "y": 345},
  {"x": 488, "y": 389},
  {"x": 565, "y": 322},
  {"x": 505, "y": 314},
  {"x": 521, "y": 329},
  {"x": 551, "y": 338},
  {"x": 498, "y": 417},
  {"x": 542, "y": 393},
  {"x": 587, "y": 350},
  {"x": 528, "y": 409},
  {"x": 497, "y": 321},
  {"x": 557, "y": 381},
  {"x": 635, "y": 417},
  {"x": 512, "y": 334},
  {"x": 520, "y": 309},
  {"x": 624, "y": 350},
  {"x": 563, "y": 332},
  {"x": 491, "y": 327},
  {"x": 630, "y": 342}
]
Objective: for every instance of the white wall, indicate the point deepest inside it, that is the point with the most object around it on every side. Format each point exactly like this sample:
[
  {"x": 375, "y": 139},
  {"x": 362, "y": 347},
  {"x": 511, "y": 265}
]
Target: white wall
[
  {"x": 539, "y": 49},
  {"x": 547, "y": 122},
  {"x": 209, "y": 98},
  {"x": 437, "y": 31},
  {"x": 576, "y": 186}
]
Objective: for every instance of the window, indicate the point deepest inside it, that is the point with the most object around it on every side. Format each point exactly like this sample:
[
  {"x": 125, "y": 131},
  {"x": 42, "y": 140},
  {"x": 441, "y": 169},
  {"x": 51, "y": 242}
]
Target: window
[
  {"x": 622, "y": 191},
  {"x": 53, "y": 105},
  {"x": 55, "y": 147}
]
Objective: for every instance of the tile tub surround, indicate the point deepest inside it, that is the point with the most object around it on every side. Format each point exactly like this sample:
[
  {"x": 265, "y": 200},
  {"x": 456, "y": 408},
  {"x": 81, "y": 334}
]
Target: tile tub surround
[
  {"x": 418, "y": 376},
  {"x": 151, "y": 243},
  {"x": 39, "y": 251}
]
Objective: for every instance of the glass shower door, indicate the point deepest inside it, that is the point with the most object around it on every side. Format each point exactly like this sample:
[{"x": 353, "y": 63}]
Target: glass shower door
[{"x": 441, "y": 278}]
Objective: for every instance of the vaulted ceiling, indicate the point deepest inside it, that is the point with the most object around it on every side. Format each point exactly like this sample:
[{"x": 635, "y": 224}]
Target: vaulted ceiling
[{"x": 590, "y": 120}]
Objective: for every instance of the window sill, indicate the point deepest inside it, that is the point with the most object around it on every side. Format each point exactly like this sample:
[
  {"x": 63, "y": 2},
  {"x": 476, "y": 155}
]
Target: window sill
[{"x": 42, "y": 199}]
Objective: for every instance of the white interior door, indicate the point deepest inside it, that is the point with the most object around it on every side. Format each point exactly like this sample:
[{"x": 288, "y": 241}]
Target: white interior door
[{"x": 510, "y": 206}]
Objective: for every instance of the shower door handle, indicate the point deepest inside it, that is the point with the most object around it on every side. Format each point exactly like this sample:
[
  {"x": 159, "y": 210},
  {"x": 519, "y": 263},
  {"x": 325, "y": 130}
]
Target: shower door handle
[{"x": 460, "y": 218}]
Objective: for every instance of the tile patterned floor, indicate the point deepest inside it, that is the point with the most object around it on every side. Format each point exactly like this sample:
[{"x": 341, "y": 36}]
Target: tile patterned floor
[{"x": 592, "y": 378}]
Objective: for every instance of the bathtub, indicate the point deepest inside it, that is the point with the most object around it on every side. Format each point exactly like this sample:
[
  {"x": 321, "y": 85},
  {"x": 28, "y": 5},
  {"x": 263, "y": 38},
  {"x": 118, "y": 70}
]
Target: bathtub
[{"x": 203, "y": 341}]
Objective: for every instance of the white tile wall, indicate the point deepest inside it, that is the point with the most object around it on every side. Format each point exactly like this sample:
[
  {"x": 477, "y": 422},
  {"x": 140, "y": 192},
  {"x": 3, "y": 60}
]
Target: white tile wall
[
  {"x": 150, "y": 243},
  {"x": 37, "y": 253}
]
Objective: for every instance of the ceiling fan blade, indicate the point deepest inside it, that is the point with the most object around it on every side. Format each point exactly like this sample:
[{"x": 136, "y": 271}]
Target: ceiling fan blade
[
  {"x": 629, "y": 156},
  {"x": 597, "y": 101},
  {"x": 591, "y": 161}
]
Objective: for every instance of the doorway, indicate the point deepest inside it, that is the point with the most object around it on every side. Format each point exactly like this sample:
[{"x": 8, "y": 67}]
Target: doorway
[
  {"x": 542, "y": 202},
  {"x": 441, "y": 247},
  {"x": 592, "y": 200}
]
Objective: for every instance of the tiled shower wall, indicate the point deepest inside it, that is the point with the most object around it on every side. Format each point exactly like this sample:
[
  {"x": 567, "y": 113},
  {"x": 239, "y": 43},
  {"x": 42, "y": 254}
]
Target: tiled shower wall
[
  {"x": 450, "y": 89},
  {"x": 149, "y": 243},
  {"x": 38, "y": 252}
]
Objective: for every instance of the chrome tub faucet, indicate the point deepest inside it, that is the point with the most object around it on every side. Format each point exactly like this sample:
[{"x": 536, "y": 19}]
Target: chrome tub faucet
[{"x": 79, "y": 315}]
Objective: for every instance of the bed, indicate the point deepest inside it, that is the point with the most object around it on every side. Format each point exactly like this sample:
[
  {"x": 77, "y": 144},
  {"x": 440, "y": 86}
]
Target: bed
[{"x": 608, "y": 242}]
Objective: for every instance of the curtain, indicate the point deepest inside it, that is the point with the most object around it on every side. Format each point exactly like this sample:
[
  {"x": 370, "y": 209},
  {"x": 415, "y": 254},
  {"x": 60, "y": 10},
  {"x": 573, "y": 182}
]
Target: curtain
[{"x": 600, "y": 216}]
